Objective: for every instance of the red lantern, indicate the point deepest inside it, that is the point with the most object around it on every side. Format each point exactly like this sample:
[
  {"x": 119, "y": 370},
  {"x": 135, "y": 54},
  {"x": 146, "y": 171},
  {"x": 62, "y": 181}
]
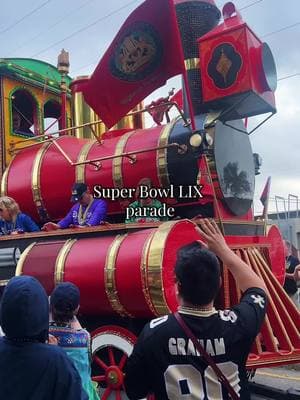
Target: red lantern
[{"x": 237, "y": 70}]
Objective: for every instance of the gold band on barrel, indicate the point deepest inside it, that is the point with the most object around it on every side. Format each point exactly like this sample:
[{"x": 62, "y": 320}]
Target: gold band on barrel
[
  {"x": 60, "y": 261},
  {"x": 4, "y": 180},
  {"x": 80, "y": 169},
  {"x": 155, "y": 266},
  {"x": 110, "y": 276},
  {"x": 161, "y": 155},
  {"x": 117, "y": 162},
  {"x": 36, "y": 179},
  {"x": 143, "y": 269},
  {"x": 19, "y": 268}
]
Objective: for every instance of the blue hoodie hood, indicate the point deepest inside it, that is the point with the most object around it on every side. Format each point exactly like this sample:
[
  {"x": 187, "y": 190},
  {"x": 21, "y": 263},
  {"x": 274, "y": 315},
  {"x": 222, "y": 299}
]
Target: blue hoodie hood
[{"x": 24, "y": 310}]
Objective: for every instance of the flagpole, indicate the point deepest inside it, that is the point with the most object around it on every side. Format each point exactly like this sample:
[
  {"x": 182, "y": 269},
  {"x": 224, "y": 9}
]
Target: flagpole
[{"x": 189, "y": 98}]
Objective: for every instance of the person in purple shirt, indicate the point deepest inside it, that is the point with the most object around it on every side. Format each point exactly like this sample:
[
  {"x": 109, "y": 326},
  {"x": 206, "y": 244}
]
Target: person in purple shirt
[{"x": 86, "y": 212}]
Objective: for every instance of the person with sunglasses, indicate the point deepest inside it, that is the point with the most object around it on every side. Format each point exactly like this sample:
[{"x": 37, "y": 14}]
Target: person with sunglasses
[{"x": 12, "y": 220}]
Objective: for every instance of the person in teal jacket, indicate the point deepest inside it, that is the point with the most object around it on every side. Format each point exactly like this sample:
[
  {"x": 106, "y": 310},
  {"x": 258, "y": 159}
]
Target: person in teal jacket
[
  {"x": 144, "y": 210},
  {"x": 64, "y": 305}
]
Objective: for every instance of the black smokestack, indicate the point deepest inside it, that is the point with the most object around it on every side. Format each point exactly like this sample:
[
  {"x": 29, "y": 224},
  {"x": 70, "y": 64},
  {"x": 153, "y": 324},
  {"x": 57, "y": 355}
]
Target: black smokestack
[{"x": 195, "y": 18}]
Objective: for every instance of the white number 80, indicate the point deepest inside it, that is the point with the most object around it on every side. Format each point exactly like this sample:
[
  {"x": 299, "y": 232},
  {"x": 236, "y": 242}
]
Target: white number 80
[{"x": 185, "y": 380}]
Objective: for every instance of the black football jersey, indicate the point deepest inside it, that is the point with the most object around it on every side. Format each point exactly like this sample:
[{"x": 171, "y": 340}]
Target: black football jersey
[{"x": 165, "y": 361}]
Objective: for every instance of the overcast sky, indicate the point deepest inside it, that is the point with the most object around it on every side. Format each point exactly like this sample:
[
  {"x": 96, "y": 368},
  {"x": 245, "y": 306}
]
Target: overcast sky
[{"x": 40, "y": 29}]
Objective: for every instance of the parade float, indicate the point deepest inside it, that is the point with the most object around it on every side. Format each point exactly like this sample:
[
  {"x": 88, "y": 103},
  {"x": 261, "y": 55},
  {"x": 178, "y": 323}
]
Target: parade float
[{"x": 125, "y": 272}]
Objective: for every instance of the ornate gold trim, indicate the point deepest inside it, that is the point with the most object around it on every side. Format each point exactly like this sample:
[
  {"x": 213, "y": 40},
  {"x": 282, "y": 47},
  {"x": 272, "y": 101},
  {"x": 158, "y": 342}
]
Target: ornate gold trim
[
  {"x": 36, "y": 178},
  {"x": 110, "y": 278},
  {"x": 4, "y": 180},
  {"x": 161, "y": 154},
  {"x": 192, "y": 63},
  {"x": 143, "y": 269},
  {"x": 117, "y": 162},
  {"x": 154, "y": 268},
  {"x": 79, "y": 170},
  {"x": 61, "y": 259},
  {"x": 21, "y": 261}
]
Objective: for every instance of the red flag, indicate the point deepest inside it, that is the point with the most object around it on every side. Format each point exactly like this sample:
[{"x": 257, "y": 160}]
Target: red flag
[
  {"x": 178, "y": 98},
  {"x": 145, "y": 53},
  {"x": 264, "y": 198}
]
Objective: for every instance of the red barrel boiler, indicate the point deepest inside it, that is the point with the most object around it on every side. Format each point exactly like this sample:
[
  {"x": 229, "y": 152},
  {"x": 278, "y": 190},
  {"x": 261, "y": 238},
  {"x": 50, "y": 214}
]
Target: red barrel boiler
[
  {"x": 130, "y": 274},
  {"x": 40, "y": 177}
]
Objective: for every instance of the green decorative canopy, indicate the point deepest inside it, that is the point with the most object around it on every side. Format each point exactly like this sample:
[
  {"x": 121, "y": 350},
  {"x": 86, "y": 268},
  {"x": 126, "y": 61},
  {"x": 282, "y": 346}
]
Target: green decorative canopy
[{"x": 34, "y": 72}]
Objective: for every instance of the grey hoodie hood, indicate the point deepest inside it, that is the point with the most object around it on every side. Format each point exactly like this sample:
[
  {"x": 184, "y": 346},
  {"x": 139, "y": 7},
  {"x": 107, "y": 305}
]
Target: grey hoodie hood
[{"x": 24, "y": 310}]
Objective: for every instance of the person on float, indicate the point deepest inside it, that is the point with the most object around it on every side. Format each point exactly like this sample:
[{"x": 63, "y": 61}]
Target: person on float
[
  {"x": 146, "y": 205},
  {"x": 31, "y": 368},
  {"x": 166, "y": 362},
  {"x": 65, "y": 327},
  {"x": 12, "y": 220},
  {"x": 292, "y": 275},
  {"x": 86, "y": 212}
]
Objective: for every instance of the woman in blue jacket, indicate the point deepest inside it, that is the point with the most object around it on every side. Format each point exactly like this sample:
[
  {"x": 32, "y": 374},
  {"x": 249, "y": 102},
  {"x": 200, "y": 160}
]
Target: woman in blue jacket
[{"x": 12, "y": 220}]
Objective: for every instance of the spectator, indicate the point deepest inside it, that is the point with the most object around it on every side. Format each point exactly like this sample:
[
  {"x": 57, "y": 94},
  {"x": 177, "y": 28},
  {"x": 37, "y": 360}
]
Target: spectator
[
  {"x": 166, "y": 362},
  {"x": 12, "y": 220},
  {"x": 64, "y": 305},
  {"x": 291, "y": 274},
  {"x": 30, "y": 369},
  {"x": 86, "y": 212},
  {"x": 144, "y": 210},
  {"x": 21, "y": 125}
]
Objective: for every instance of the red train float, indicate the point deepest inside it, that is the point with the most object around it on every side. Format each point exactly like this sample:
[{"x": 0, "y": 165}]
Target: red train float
[{"x": 125, "y": 273}]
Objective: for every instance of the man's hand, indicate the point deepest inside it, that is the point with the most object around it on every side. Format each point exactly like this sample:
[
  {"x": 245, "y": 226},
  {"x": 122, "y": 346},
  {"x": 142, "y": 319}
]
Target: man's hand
[
  {"x": 214, "y": 239},
  {"x": 50, "y": 226},
  {"x": 244, "y": 275}
]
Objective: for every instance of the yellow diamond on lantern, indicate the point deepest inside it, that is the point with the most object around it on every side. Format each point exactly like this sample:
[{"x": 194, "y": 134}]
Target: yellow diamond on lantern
[{"x": 224, "y": 65}]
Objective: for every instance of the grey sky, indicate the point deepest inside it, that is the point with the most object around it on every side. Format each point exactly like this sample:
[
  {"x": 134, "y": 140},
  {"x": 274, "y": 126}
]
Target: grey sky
[{"x": 43, "y": 34}]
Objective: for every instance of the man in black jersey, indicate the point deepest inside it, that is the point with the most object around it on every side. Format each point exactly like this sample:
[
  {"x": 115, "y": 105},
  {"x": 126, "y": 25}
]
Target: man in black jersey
[{"x": 165, "y": 361}]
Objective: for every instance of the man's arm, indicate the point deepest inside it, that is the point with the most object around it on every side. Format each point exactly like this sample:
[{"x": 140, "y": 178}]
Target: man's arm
[
  {"x": 297, "y": 273},
  {"x": 67, "y": 221},
  {"x": 294, "y": 267},
  {"x": 136, "y": 377},
  {"x": 98, "y": 214},
  {"x": 244, "y": 276}
]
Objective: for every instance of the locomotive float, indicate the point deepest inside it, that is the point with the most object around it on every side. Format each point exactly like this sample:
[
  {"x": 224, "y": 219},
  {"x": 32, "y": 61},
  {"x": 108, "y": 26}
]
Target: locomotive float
[{"x": 125, "y": 272}]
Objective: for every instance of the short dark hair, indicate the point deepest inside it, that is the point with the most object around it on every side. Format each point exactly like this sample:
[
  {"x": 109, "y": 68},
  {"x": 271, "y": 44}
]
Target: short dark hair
[
  {"x": 64, "y": 300},
  {"x": 198, "y": 273}
]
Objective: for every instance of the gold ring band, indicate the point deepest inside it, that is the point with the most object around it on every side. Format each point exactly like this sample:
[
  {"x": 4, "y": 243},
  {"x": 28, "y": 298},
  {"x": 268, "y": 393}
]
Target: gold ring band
[{"x": 192, "y": 63}]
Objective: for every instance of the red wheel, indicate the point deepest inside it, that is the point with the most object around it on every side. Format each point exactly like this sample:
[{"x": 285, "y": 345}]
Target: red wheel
[{"x": 111, "y": 346}]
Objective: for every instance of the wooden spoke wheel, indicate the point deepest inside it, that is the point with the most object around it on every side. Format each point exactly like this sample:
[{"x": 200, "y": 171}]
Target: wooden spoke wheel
[{"x": 111, "y": 346}]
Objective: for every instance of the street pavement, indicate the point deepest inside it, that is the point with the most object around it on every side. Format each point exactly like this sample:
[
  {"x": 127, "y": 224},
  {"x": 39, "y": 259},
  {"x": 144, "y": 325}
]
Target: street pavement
[{"x": 283, "y": 378}]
